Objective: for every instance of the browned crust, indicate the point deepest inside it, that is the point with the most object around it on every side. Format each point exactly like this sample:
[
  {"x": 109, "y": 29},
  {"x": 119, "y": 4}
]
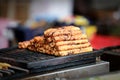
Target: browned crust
[
  {"x": 23, "y": 44},
  {"x": 72, "y": 51},
  {"x": 61, "y": 31},
  {"x": 66, "y": 38},
  {"x": 69, "y": 47},
  {"x": 59, "y": 42},
  {"x": 39, "y": 39}
]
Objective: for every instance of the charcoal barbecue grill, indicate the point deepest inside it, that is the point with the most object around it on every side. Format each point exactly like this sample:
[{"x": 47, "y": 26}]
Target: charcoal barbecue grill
[{"x": 40, "y": 63}]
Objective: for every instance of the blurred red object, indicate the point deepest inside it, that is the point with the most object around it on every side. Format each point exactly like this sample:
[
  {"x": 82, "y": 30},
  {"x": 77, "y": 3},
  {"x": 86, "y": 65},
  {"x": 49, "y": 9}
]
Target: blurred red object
[{"x": 101, "y": 41}]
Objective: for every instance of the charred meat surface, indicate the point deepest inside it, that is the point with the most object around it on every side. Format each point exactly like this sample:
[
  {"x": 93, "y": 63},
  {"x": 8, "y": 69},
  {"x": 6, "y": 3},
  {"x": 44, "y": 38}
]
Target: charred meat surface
[{"x": 59, "y": 42}]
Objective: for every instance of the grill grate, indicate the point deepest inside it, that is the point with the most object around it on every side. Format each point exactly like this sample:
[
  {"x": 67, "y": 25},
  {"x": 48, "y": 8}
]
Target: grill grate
[
  {"x": 12, "y": 73},
  {"x": 41, "y": 63},
  {"x": 28, "y": 59},
  {"x": 25, "y": 55}
]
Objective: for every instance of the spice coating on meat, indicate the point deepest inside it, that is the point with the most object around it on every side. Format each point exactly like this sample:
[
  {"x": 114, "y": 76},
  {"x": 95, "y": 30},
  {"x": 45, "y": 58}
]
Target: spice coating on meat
[{"x": 59, "y": 42}]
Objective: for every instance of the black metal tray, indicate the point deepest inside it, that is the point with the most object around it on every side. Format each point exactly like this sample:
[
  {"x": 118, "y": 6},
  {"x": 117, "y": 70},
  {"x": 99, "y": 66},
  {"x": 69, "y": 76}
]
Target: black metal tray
[
  {"x": 40, "y": 71},
  {"x": 112, "y": 54},
  {"x": 32, "y": 60}
]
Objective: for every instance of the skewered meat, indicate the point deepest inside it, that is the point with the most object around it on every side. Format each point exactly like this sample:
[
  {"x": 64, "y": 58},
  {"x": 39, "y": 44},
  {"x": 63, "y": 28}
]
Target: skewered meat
[
  {"x": 66, "y": 38},
  {"x": 61, "y": 31},
  {"x": 59, "y": 42},
  {"x": 72, "y": 51},
  {"x": 71, "y": 47},
  {"x": 24, "y": 44}
]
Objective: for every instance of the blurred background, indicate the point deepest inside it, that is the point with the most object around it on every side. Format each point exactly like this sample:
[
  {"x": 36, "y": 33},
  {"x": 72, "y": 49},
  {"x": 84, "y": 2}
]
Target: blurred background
[{"x": 21, "y": 20}]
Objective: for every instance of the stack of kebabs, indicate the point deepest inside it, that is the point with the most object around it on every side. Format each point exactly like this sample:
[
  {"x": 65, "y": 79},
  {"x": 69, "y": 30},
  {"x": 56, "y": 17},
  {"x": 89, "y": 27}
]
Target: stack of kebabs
[{"x": 59, "y": 42}]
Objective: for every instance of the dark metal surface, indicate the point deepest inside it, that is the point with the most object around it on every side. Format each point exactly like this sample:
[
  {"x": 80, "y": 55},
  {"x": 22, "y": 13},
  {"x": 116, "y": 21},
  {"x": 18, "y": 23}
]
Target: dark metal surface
[
  {"x": 66, "y": 65},
  {"x": 77, "y": 71},
  {"x": 112, "y": 50},
  {"x": 112, "y": 54},
  {"x": 41, "y": 63},
  {"x": 12, "y": 73},
  {"x": 28, "y": 59},
  {"x": 5, "y": 72},
  {"x": 74, "y": 73},
  {"x": 19, "y": 69},
  {"x": 17, "y": 72}
]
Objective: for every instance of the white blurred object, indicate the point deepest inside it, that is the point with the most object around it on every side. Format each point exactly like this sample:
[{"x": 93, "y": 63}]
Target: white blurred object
[
  {"x": 29, "y": 22},
  {"x": 7, "y": 33},
  {"x": 57, "y": 8},
  {"x": 12, "y": 24}
]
